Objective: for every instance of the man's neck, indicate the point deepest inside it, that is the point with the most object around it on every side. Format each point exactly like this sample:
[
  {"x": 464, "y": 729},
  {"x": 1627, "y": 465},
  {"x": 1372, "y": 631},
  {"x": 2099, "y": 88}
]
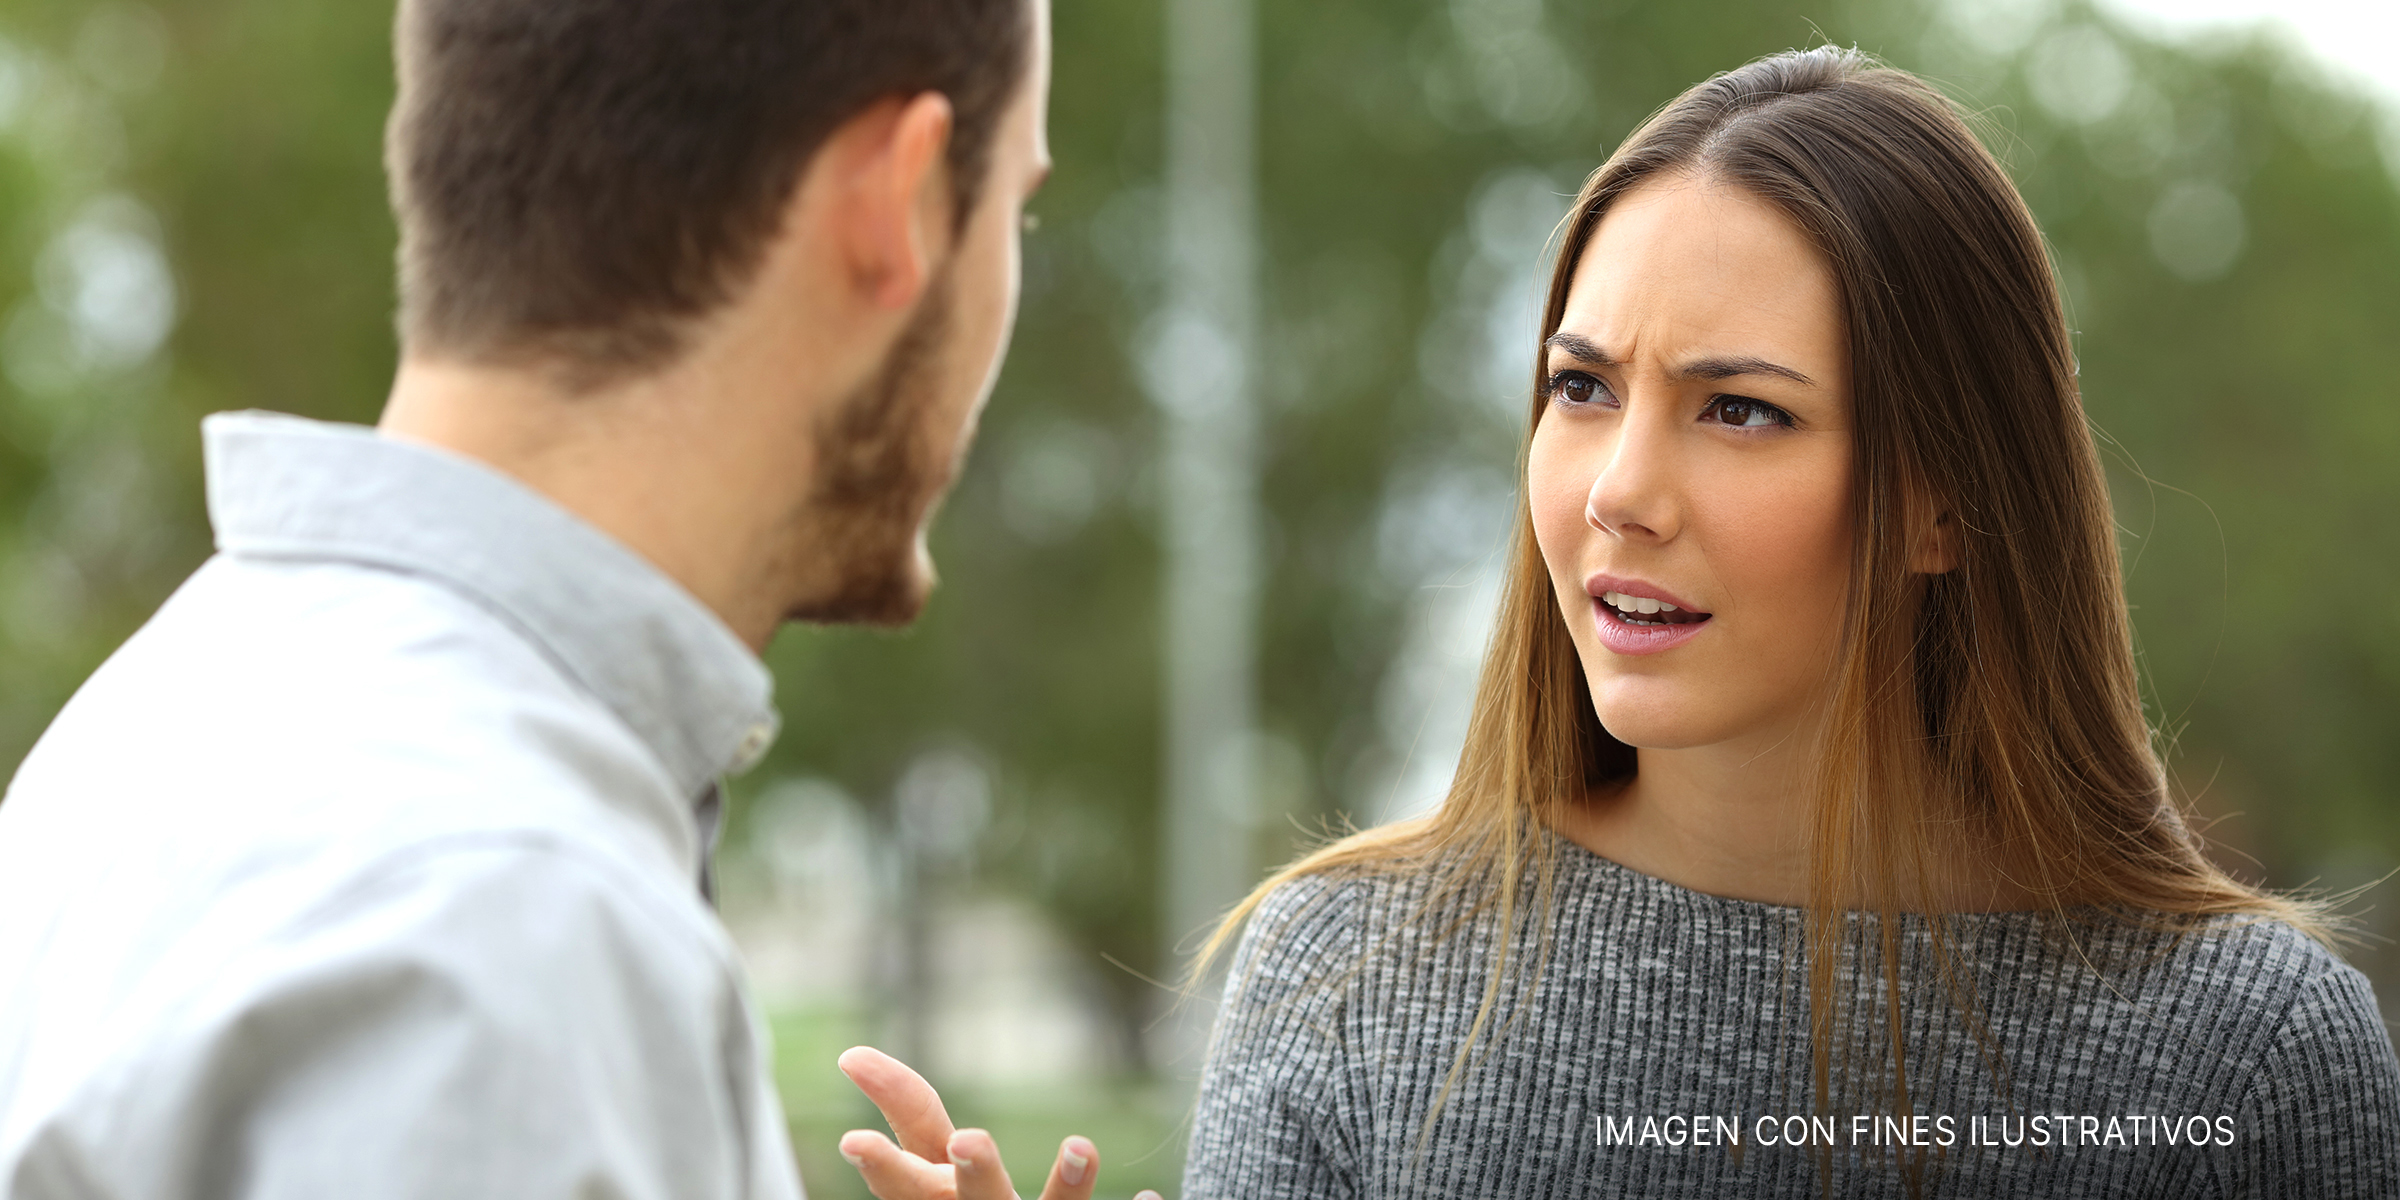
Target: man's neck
[{"x": 645, "y": 462}]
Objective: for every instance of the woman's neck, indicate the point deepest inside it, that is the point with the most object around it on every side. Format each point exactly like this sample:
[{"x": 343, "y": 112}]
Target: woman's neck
[
  {"x": 1735, "y": 822},
  {"x": 1700, "y": 820}
]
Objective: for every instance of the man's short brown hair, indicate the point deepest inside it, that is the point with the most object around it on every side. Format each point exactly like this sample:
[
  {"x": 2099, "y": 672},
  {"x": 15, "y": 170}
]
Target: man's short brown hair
[{"x": 575, "y": 180}]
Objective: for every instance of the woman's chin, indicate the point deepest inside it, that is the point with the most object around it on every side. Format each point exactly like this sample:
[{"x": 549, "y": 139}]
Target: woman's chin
[{"x": 1652, "y": 714}]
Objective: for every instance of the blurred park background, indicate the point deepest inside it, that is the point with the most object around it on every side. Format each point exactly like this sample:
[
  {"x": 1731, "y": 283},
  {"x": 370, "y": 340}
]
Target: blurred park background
[{"x": 958, "y": 849}]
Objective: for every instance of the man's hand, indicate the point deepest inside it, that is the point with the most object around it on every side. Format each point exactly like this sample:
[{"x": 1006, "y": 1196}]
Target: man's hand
[{"x": 934, "y": 1161}]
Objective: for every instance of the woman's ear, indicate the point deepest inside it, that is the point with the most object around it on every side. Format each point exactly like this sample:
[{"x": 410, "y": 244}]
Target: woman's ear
[{"x": 1933, "y": 548}]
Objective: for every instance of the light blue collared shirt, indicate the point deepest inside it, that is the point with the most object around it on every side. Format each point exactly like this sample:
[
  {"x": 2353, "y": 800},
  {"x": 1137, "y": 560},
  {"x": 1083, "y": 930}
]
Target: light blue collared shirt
[{"x": 371, "y": 866}]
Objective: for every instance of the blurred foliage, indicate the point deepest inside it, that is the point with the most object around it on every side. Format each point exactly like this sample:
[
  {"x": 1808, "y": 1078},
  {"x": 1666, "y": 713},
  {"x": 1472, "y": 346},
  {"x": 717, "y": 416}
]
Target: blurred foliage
[{"x": 2224, "y": 219}]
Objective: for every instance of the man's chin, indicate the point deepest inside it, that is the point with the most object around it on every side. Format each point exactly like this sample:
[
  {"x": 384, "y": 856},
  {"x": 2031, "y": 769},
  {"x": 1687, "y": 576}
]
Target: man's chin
[{"x": 890, "y": 596}]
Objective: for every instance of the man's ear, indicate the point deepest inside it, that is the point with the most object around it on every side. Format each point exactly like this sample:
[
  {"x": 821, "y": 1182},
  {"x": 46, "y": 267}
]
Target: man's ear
[
  {"x": 1933, "y": 538},
  {"x": 891, "y": 196}
]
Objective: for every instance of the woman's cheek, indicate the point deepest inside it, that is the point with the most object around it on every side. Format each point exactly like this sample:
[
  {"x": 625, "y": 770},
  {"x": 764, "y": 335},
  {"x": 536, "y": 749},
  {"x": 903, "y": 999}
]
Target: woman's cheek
[
  {"x": 1782, "y": 552},
  {"x": 1557, "y": 500},
  {"x": 1818, "y": 566}
]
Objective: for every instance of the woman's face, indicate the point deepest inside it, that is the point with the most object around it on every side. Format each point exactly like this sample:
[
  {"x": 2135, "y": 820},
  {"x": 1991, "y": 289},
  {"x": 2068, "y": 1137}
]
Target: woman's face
[{"x": 1694, "y": 452}]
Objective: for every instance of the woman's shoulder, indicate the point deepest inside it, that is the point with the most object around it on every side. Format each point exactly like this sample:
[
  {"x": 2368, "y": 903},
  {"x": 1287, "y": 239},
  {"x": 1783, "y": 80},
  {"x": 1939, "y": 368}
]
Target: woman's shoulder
[
  {"x": 2285, "y": 978},
  {"x": 1285, "y": 984},
  {"x": 2316, "y": 1084},
  {"x": 2261, "y": 950},
  {"x": 2255, "y": 981},
  {"x": 1307, "y": 921},
  {"x": 2256, "y": 959}
]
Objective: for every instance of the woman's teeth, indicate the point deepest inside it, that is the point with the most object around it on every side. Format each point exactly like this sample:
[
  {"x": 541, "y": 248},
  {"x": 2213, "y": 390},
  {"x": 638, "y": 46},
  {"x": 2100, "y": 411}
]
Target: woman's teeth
[
  {"x": 1635, "y": 604},
  {"x": 1634, "y": 608}
]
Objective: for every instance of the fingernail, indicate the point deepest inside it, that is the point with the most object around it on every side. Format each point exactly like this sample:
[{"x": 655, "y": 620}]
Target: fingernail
[
  {"x": 1146, "y": 1194},
  {"x": 856, "y": 1158},
  {"x": 1072, "y": 1166},
  {"x": 958, "y": 1152}
]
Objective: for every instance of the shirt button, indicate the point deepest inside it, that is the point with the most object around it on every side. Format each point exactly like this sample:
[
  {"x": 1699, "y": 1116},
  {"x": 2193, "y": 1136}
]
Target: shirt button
[{"x": 754, "y": 746}]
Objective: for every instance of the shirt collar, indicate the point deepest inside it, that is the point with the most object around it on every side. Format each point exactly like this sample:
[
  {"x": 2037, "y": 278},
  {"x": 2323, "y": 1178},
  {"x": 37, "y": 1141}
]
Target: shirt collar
[{"x": 286, "y": 487}]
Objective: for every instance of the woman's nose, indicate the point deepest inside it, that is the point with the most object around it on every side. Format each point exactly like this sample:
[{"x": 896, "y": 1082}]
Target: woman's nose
[{"x": 1634, "y": 494}]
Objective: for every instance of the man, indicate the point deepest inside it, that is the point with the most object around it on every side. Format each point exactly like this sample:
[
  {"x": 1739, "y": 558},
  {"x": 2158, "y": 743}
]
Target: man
[{"x": 375, "y": 864}]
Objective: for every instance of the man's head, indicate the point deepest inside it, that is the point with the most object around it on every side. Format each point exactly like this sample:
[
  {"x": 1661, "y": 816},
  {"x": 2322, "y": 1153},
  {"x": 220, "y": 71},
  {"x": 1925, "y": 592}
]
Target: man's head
[{"x": 787, "y": 226}]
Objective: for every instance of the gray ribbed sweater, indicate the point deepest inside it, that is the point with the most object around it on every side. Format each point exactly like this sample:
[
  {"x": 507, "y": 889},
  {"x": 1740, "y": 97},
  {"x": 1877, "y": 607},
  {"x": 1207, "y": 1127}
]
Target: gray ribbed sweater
[{"x": 1659, "y": 1005}]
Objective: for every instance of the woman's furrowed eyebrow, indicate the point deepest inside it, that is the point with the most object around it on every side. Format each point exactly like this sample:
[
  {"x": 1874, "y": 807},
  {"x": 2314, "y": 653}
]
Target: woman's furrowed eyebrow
[
  {"x": 1728, "y": 367},
  {"x": 1579, "y": 348},
  {"x": 1583, "y": 349}
]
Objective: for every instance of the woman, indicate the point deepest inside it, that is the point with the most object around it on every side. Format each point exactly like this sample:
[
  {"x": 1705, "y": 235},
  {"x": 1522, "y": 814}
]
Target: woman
[
  {"x": 1808, "y": 838},
  {"x": 1809, "y": 835}
]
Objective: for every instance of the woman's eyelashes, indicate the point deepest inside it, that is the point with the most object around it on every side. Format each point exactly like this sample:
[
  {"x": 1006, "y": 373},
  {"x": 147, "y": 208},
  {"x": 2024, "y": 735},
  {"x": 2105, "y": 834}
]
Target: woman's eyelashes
[
  {"x": 1578, "y": 389},
  {"x": 1575, "y": 389},
  {"x": 1742, "y": 412}
]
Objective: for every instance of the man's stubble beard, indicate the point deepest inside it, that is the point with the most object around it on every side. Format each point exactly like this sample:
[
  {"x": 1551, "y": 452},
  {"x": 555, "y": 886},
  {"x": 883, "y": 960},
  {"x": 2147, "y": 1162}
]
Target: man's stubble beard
[{"x": 858, "y": 533}]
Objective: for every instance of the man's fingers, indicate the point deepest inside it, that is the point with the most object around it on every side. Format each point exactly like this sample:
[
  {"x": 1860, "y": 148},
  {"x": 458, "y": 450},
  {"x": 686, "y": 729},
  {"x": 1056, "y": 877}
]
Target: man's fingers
[
  {"x": 933, "y": 1159},
  {"x": 909, "y": 1103},
  {"x": 1071, "y": 1177},
  {"x": 892, "y": 1173},
  {"x": 980, "y": 1173}
]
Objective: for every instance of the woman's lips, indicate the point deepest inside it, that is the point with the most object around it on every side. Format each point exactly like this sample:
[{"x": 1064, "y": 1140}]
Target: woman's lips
[
  {"x": 1623, "y": 636},
  {"x": 1638, "y": 617}
]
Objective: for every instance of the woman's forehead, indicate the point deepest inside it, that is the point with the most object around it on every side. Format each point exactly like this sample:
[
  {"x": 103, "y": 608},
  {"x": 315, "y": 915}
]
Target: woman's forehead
[{"x": 1682, "y": 266}]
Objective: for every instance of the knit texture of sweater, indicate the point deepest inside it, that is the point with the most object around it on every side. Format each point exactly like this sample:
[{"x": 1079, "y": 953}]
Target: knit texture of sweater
[{"x": 1657, "y": 1044}]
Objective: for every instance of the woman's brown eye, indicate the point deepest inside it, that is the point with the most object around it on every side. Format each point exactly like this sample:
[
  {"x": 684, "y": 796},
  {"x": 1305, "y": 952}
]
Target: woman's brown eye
[
  {"x": 1574, "y": 387},
  {"x": 1748, "y": 414}
]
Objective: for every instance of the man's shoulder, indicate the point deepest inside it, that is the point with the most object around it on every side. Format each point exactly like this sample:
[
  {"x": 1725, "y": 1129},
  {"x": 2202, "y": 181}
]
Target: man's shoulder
[
  {"x": 334, "y": 702},
  {"x": 503, "y": 924},
  {"x": 490, "y": 923},
  {"x": 309, "y": 636},
  {"x": 512, "y": 980},
  {"x": 305, "y": 748},
  {"x": 513, "y": 914}
]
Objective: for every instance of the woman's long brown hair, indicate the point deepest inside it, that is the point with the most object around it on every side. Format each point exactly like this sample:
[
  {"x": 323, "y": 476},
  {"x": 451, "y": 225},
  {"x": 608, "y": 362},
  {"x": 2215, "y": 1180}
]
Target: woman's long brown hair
[{"x": 1994, "y": 706}]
